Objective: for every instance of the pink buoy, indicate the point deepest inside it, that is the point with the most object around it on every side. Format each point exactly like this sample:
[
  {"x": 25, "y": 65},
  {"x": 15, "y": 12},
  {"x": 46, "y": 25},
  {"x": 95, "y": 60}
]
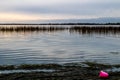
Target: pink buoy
[{"x": 103, "y": 74}]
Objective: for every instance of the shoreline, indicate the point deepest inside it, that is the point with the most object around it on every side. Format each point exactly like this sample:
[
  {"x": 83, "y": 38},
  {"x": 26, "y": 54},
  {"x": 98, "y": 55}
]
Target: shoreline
[{"x": 68, "y": 71}]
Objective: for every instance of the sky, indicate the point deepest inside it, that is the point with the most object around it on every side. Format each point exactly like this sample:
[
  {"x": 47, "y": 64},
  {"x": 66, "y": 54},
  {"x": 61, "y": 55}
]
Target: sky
[{"x": 28, "y": 10}]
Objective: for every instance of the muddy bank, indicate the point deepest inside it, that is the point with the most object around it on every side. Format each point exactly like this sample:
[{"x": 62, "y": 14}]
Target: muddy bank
[{"x": 71, "y": 71}]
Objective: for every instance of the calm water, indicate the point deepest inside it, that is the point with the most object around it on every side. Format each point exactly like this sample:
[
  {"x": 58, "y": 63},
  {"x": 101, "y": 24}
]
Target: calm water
[{"x": 58, "y": 47}]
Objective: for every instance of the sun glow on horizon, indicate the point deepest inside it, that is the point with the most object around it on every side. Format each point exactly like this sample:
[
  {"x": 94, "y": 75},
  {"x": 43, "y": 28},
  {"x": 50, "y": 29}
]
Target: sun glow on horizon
[
  {"x": 32, "y": 17},
  {"x": 17, "y": 17}
]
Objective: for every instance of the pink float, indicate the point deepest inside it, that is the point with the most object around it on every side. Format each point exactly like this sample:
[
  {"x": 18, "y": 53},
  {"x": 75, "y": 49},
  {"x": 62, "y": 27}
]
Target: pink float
[{"x": 103, "y": 74}]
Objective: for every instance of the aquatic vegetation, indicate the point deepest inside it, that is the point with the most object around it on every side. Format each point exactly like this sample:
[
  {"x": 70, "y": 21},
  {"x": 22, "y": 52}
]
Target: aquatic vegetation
[
  {"x": 30, "y": 66},
  {"x": 109, "y": 29},
  {"x": 30, "y": 29},
  {"x": 7, "y": 67},
  {"x": 89, "y": 65},
  {"x": 95, "y": 30},
  {"x": 39, "y": 66}
]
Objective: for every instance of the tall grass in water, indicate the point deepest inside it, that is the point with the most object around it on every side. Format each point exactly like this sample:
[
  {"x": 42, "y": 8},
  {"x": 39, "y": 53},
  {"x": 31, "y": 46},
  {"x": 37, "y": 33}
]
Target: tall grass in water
[
  {"x": 31, "y": 29},
  {"x": 95, "y": 30},
  {"x": 75, "y": 29}
]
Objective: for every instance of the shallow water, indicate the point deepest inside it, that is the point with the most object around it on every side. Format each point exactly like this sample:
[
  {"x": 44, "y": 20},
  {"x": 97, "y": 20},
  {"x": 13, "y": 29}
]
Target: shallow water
[
  {"x": 25, "y": 71},
  {"x": 58, "y": 47},
  {"x": 114, "y": 69}
]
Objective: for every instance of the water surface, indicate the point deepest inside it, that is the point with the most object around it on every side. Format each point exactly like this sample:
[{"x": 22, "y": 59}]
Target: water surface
[{"x": 62, "y": 46}]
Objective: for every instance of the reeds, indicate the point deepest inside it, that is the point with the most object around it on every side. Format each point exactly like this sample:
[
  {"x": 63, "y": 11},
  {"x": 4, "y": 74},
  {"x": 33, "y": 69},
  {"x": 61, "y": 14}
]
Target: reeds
[
  {"x": 74, "y": 29},
  {"x": 30, "y": 28},
  {"x": 95, "y": 30}
]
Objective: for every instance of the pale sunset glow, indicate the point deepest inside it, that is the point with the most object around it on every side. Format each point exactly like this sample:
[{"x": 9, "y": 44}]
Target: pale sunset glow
[
  {"x": 25, "y": 17},
  {"x": 27, "y": 10},
  {"x": 15, "y": 16}
]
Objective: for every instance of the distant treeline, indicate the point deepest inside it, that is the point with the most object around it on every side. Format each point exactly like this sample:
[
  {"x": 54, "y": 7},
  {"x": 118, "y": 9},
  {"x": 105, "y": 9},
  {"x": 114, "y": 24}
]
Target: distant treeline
[{"x": 60, "y": 24}]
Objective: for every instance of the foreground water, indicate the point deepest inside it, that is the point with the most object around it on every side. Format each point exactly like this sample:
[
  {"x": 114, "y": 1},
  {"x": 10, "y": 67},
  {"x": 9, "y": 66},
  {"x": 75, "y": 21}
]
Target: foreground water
[{"x": 58, "y": 47}]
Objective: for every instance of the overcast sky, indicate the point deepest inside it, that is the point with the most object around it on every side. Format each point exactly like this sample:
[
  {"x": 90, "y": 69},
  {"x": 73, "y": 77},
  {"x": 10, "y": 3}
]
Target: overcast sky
[{"x": 23, "y": 10}]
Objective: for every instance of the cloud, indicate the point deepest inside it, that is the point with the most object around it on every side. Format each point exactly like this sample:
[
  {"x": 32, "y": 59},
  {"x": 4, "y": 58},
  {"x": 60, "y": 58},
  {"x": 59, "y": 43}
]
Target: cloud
[{"x": 59, "y": 8}]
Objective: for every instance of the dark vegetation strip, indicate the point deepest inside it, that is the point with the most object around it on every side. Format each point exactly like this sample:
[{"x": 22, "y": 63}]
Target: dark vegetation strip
[
  {"x": 30, "y": 66},
  {"x": 92, "y": 30},
  {"x": 90, "y": 65},
  {"x": 25, "y": 28},
  {"x": 38, "y": 28},
  {"x": 77, "y": 29}
]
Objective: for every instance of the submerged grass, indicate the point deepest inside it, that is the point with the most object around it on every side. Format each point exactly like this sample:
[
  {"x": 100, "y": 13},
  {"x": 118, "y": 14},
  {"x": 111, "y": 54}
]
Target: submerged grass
[
  {"x": 30, "y": 66},
  {"x": 39, "y": 66},
  {"x": 7, "y": 67},
  {"x": 90, "y": 65}
]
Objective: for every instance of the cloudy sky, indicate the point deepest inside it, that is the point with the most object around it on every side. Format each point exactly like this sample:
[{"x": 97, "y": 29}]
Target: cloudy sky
[{"x": 25, "y": 10}]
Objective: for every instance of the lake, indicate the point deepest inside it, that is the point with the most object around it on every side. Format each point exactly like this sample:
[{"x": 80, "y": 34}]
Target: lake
[{"x": 58, "y": 46}]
